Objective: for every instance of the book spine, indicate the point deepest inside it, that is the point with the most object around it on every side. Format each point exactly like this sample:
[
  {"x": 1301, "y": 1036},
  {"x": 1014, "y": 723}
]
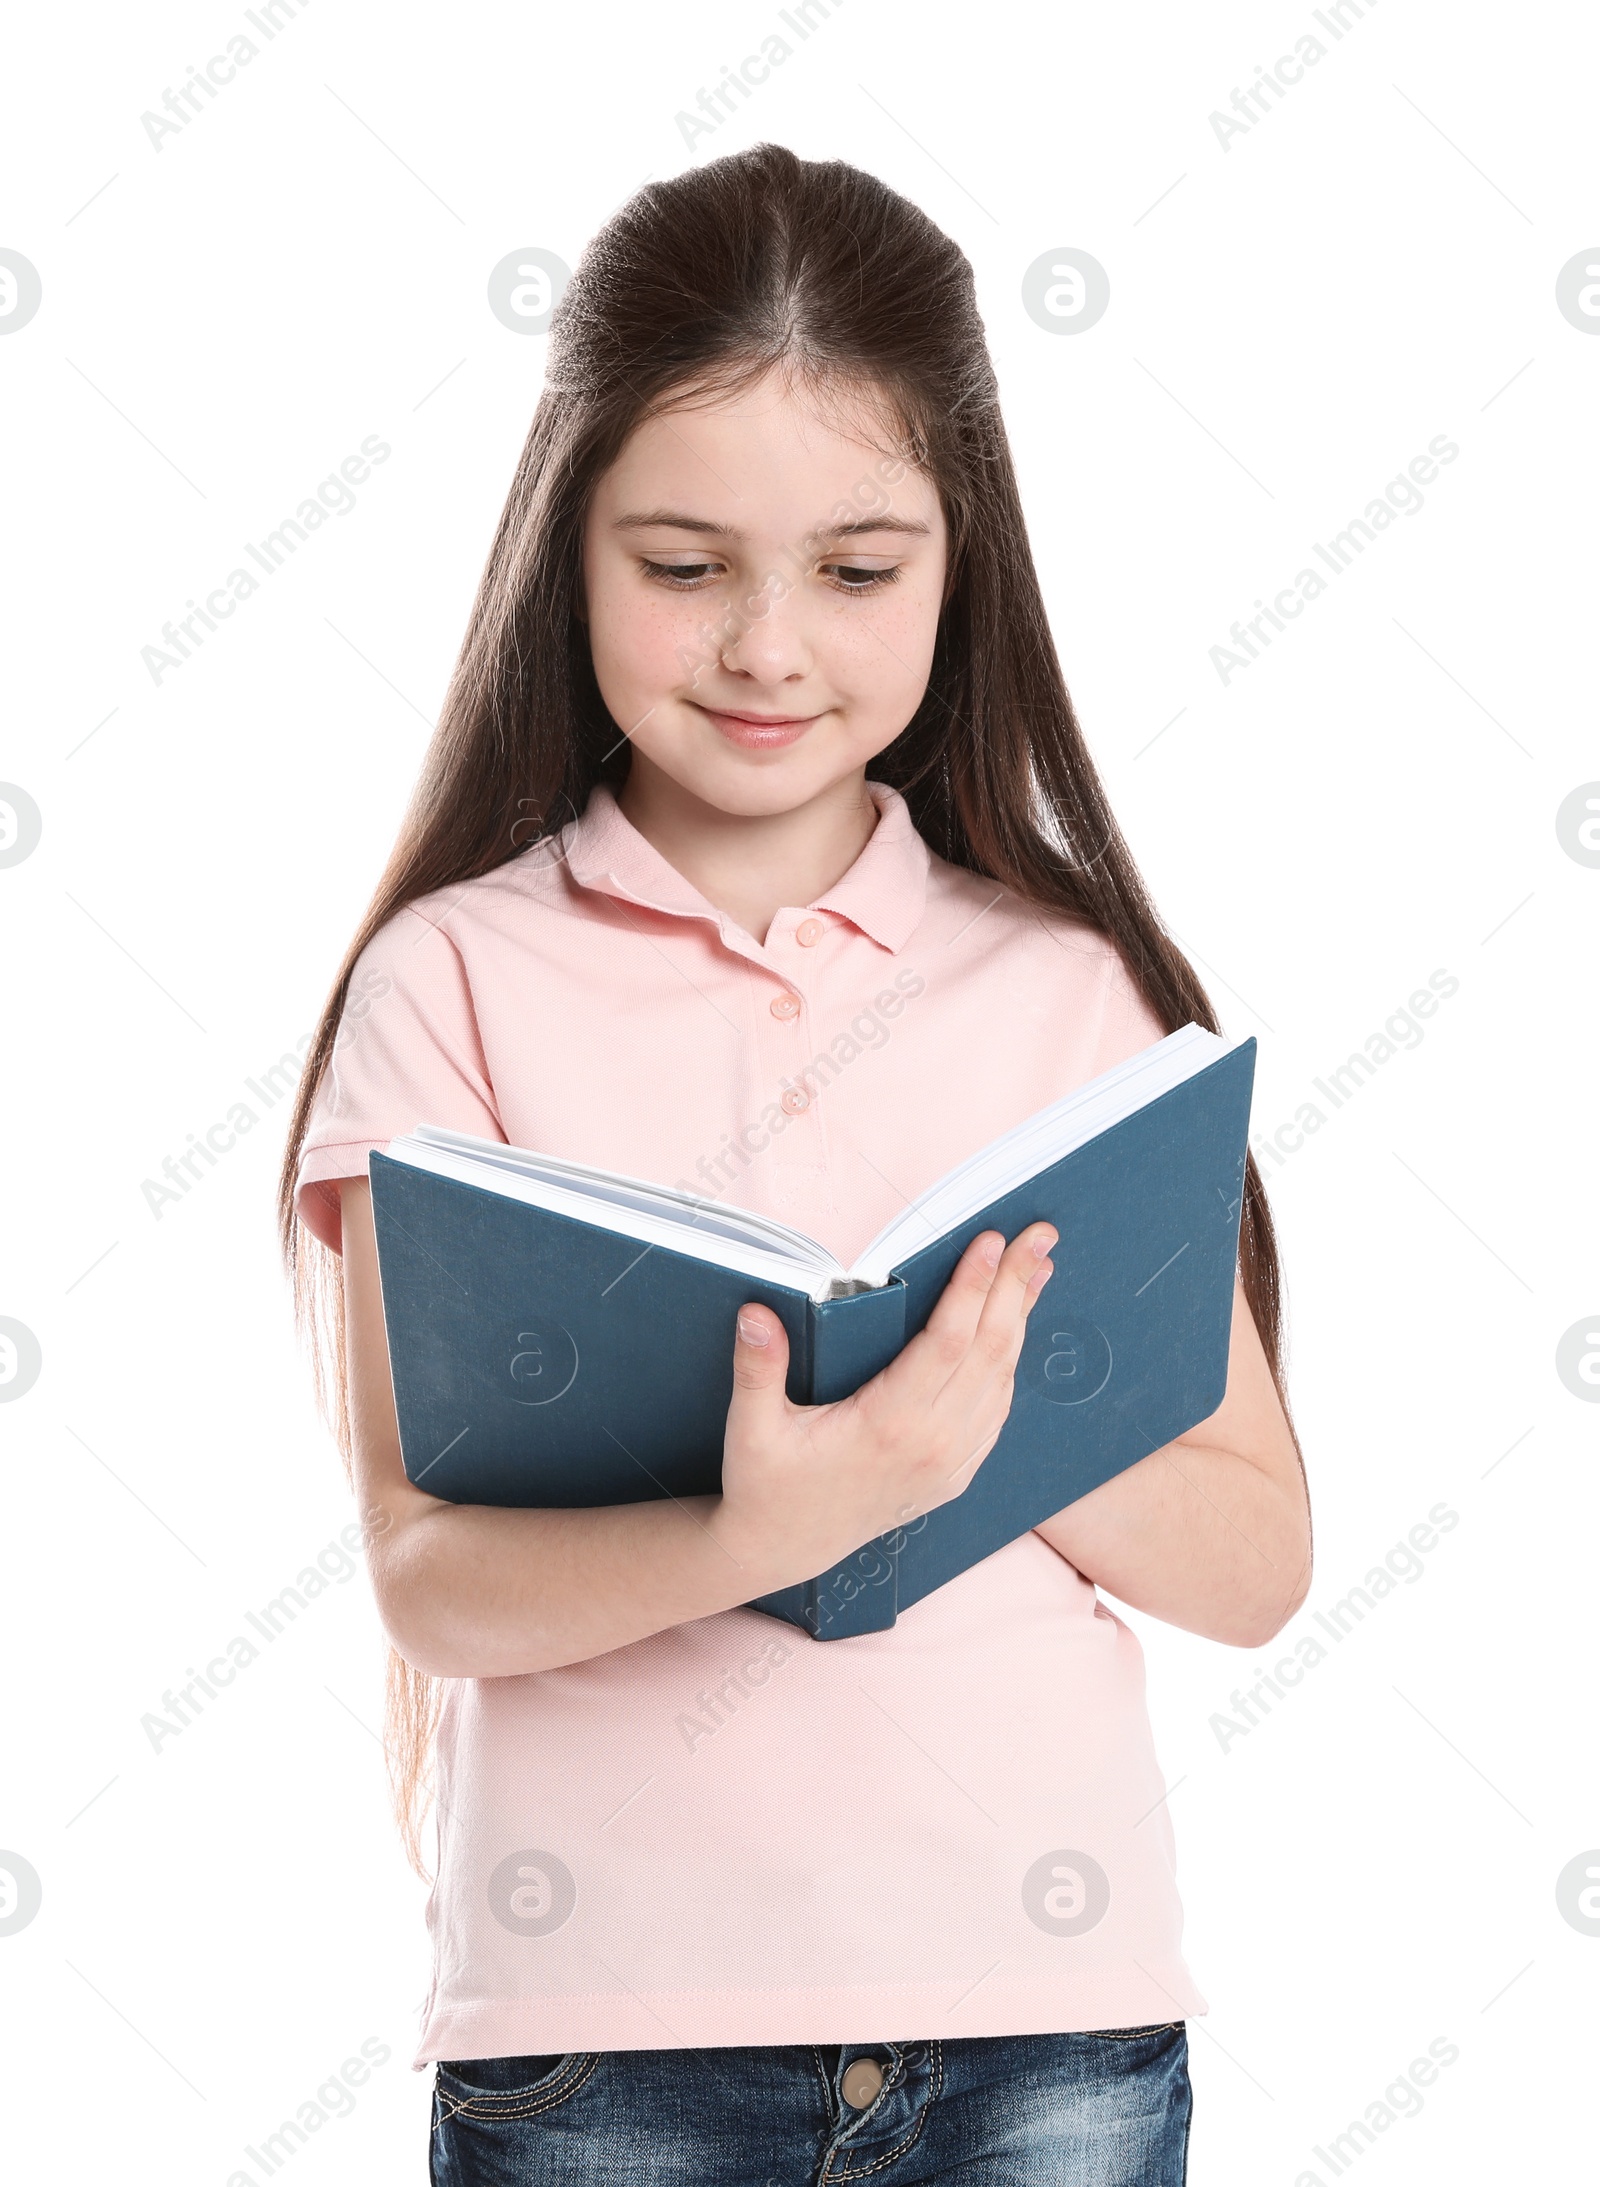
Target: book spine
[
  {"x": 859, "y": 1596},
  {"x": 852, "y": 1339}
]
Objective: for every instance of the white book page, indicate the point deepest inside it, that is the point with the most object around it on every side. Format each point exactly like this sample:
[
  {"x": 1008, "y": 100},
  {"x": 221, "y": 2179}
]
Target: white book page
[
  {"x": 621, "y": 1190},
  {"x": 759, "y": 1245},
  {"x": 1037, "y": 1142},
  {"x": 802, "y": 1264}
]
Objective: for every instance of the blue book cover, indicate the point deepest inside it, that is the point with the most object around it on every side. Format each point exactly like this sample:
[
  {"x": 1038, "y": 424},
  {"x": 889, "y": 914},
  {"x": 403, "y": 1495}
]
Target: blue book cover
[{"x": 541, "y": 1358}]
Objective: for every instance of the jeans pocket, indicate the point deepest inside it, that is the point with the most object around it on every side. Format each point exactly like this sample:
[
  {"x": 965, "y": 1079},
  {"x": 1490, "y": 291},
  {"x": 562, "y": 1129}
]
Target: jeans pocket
[
  {"x": 489, "y": 2089},
  {"x": 1131, "y": 2035}
]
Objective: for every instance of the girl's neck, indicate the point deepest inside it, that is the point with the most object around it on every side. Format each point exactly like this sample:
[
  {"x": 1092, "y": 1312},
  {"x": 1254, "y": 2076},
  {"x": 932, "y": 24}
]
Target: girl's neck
[{"x": 749, "y": 865}]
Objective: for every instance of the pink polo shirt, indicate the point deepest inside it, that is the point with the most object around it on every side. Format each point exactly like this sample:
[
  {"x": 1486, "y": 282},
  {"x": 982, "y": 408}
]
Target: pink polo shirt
[{"x": 731, "y": 1833}]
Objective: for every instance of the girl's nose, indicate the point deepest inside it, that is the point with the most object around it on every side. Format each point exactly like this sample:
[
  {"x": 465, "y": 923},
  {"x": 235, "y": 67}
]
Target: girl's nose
[{"x": 766, "y": 641}]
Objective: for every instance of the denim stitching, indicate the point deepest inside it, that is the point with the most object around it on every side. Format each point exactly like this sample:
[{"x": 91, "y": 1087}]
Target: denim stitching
[
  {"x": 1188, "y": 2115},
  {"x": 822, "y": 2076},
  {"x": 1131, "y": 2035},
  {"x": 486, "y": 2106},
  {"x": 889, "y": 2156}
]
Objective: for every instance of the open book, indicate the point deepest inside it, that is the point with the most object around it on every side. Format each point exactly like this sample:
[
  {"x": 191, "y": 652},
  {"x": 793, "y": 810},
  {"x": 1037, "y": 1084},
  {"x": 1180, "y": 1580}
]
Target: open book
[
  {"x": 562, "y": 1334},
  {"x": 758, "y": 1245}
]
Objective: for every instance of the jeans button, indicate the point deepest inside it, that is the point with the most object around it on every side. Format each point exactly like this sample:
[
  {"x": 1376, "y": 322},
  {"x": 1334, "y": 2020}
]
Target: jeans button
[{"x": 863, "y": 2078}]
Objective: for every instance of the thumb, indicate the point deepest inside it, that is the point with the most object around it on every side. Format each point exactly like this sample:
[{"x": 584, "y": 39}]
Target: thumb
[{"x": 760, "y": 1358}]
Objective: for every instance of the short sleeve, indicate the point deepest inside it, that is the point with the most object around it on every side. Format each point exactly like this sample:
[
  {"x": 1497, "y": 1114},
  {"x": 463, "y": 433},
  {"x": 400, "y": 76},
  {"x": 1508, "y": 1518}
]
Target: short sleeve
[{"x": 407, "y": 1052}]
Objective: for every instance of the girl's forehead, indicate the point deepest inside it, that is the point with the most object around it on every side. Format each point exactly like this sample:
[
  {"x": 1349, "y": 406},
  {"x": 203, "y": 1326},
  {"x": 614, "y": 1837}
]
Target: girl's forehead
[
  {"x": 821, "y": 412},
  {"x": 766, "y": 456}
]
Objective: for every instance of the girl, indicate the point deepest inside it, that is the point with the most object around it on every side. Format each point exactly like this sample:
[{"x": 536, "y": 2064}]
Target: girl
[{"x": 758, "y": 850}]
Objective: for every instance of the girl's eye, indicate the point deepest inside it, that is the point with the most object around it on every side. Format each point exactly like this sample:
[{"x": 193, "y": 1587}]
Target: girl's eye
[
  {"x": 869, "y": 580},
  {"x": 688, "y": 576},
  {"x": 673, "y": 573}
]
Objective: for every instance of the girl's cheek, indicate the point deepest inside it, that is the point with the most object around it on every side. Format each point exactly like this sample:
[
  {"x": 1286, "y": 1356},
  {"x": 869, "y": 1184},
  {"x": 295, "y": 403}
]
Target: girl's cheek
[
  {"x": 642, "y": 640},
  {"x": 888, "y": 647}
]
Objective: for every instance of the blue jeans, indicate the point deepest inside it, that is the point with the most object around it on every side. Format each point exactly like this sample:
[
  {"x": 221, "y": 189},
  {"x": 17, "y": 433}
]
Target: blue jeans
[{"x": 1109, "y": 2109}]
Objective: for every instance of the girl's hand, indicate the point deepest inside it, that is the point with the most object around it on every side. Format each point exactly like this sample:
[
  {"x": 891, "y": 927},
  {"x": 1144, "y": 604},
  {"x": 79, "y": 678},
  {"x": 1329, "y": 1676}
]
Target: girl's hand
[{"x": 803, "y": 1486}]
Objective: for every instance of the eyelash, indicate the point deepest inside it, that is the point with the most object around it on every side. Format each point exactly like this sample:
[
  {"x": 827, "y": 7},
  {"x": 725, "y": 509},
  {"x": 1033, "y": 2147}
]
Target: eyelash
[{"x": 673, "y": 578}]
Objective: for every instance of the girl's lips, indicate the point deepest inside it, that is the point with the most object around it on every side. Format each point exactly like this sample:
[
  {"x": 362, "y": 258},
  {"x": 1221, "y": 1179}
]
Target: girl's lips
[{"x": 759, "y": 734}]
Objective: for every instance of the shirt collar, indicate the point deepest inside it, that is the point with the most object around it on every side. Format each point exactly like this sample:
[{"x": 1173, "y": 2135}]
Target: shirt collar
[{"x": 883, "y": 893}]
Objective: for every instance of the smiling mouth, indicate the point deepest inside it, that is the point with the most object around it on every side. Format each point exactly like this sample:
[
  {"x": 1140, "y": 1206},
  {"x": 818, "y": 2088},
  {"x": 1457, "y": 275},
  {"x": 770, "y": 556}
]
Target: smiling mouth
[{"x": 758, "y": 730}]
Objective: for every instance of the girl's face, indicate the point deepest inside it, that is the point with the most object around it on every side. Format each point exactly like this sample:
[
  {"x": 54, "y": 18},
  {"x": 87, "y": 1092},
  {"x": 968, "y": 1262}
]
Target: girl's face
[{"x": 762, "y": 592}]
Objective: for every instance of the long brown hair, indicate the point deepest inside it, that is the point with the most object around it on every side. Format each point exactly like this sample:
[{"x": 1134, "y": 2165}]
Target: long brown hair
[{"x": 698, "y": 286}]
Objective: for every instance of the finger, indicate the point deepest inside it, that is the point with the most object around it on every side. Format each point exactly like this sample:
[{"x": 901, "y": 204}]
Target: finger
[
  {"x": 989, "y": 1397},
  {"x": 994, "y": 1295},
  {"x": 760, "y": 1361},
  {"x": 946, "y": 1338},
  {"x": 919, "y": 1371},
  {"x": 1024, "y": 1270},
  {"x": 957, "y": 1309}
]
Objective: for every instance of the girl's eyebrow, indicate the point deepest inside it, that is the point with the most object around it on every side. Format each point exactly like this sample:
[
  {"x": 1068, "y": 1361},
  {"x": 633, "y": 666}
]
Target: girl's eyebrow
[{"x": 676, "y": 520}]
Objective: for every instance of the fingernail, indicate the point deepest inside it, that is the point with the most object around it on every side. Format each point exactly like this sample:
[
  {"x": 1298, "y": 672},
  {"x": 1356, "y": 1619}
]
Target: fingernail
[
  {"x": 754, "y": 1332},
  {"x": 1041, "y": 1247},
  {"x": 991, "y": 1251}
]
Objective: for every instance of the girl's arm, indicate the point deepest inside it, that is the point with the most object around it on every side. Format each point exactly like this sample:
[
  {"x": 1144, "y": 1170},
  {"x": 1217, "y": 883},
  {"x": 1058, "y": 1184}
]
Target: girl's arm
[
  {"x": 467, "y": 1591},
  {"x": 474, "y": 1591},
  {"x": 1213, "y": 1531}
]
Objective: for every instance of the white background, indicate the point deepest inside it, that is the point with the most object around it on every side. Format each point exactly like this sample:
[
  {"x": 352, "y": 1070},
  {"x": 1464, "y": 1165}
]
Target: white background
[{"x": 1293, "y": 317}]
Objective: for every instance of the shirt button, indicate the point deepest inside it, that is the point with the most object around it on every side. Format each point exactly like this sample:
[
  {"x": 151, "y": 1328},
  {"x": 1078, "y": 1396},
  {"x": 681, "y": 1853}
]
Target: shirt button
[
  {"x": 808, "y": 933},
  {"x": 863, "y": 2077},
  {"x": 786, "y": 1006},
  {"x": 794, "y": 1101}
]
